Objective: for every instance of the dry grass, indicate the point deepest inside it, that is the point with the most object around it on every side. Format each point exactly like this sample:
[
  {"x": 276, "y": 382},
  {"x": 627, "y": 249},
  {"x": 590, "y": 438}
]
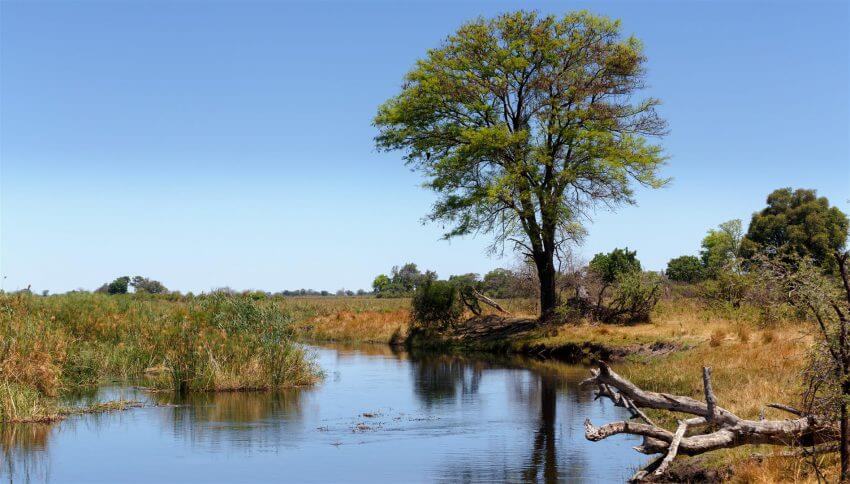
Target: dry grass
[
  {"x": 51, "y": 345},
  {"x": 364, "y": 326},
  {"x": 368, "y": 319}
]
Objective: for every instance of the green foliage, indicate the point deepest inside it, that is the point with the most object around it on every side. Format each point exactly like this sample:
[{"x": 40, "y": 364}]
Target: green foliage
[
  {"x": 619, "y": 261},
  {"x": 436, "y": 305},
  {"x": 381, "y": 284},
  {"x": 403, "y": 282},
  {"x": 721, "y": 246},
  {"x": 117, "y": 286},
  {"x": 521, "y": 122},
  {"x": 801, "y": 223},
  {"x": 686, "y": 268},
  {"x": 635, "y": 294},
  {"x": 728, "y": 285},
  {"x": 470, "y": 280},
  {"x": 506, "y": 284},
  {"x": 147, "y": 286}
]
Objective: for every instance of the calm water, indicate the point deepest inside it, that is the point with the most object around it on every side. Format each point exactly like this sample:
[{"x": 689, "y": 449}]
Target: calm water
[{"x": 378, "y": 416}]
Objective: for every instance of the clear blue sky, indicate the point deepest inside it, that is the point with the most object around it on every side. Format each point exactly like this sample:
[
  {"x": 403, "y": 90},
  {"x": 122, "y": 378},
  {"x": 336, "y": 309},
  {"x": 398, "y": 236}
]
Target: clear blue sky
[{"x": 208, "y": 144}]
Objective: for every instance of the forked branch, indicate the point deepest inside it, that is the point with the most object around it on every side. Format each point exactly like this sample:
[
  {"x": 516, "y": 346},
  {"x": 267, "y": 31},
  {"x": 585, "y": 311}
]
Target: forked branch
[{"x": 720, "y": 428}]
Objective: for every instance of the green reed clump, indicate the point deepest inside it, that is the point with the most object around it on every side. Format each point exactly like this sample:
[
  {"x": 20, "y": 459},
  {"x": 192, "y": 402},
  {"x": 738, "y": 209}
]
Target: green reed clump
[{"x": 50, "y": 345}]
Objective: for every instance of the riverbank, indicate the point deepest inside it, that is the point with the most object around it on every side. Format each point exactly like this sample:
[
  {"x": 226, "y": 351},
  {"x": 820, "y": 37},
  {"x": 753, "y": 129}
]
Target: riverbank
[{"x": 753, "y": 363}]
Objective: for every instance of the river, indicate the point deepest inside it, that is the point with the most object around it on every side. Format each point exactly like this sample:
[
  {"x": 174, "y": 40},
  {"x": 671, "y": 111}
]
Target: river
[{"x": 377, "y": 416}]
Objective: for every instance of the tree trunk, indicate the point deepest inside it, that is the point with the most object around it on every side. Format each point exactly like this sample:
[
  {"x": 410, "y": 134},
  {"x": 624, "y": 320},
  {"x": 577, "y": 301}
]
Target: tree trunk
[{"x": 545, "y": 263}]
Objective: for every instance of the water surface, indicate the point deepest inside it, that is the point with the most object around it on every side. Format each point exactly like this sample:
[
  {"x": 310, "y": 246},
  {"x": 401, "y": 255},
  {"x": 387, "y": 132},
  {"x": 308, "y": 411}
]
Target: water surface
[{"x": 378, "y": 416}]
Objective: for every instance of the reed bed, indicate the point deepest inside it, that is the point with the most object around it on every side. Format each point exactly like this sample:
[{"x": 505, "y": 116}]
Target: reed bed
[{"x": 56, "y": 344}]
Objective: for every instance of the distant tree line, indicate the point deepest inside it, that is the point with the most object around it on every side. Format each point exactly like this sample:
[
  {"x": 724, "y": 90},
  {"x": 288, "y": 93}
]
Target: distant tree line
[
  {"x": 141, "y": 285},
  {"x": 499, "y": 283}
]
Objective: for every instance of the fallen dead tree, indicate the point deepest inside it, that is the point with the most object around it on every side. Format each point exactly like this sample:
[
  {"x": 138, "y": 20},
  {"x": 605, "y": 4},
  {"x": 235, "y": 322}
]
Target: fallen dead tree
[{"x": 711, "y": 428}]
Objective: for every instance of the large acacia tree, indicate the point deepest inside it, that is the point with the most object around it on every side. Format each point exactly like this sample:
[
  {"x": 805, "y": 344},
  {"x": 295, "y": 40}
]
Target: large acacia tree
[{"x": 522, "y": 124}]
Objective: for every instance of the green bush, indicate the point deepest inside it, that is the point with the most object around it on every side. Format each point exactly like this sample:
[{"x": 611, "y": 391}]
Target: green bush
[
  {"x": 686, "y": 268},
  {"x": 619, "y": 261},
  {"x": 728, "y": 286},
  {"x": 436, "y": 305}
]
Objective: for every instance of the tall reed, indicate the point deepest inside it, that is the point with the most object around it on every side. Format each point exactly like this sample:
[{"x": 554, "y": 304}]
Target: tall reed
[{"x": 49, "y": 345}]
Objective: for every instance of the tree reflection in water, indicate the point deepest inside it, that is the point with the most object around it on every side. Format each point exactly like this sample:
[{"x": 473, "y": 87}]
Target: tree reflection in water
[
  {"x": 536, "y": 387},
  {"x": 239, "y": 419},
  {"x": 438, "y": 378},
  {"x": 23, "y": 451},
  {"x": 431, "y": 416}
]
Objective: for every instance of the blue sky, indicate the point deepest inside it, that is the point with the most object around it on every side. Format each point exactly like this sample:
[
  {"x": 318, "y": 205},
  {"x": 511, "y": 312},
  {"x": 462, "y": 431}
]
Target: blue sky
[{"x": 230, "y": 143}]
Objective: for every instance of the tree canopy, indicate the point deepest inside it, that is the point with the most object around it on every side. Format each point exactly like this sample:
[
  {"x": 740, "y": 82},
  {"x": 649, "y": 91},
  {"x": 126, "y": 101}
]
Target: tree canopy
[
  {"x": 798, "y": 222},
  {"x": 686, "y": 268},
  {"x": 117, "y": 286},
  {"x": 402, "y": 281},
  {"x": 144, "y": 285},
  {"x": 522, "y": 123},
  {"x": 618, "y": 261},
  {"x": 720, "y": 246}
]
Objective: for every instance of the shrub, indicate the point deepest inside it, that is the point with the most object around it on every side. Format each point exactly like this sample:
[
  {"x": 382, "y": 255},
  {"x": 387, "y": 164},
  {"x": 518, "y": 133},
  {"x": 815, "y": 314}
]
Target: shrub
[
  {"x": 635, "y": 295},
  {"x": 436, "y": 305},
  {"x": 728, "y": 286}
]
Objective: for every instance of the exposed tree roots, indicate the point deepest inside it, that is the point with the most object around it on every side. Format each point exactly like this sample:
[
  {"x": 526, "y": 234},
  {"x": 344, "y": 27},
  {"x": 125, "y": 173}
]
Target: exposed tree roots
[{"x": 712, "y": 427}]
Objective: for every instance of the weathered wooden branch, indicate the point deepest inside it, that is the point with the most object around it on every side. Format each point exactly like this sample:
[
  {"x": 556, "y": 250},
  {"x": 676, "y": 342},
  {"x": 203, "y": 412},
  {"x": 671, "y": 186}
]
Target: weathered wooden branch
[
  {"x": 488, "y": 301},
  {"x": 721, "y": 428}
]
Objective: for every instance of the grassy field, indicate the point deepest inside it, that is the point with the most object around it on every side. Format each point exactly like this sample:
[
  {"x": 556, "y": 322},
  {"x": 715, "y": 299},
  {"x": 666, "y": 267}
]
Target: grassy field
[{"x": 52, "y": 345}]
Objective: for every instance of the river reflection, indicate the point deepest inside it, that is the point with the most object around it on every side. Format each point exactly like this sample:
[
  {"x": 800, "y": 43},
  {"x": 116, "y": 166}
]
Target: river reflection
[{"x": 379, "y": 416}]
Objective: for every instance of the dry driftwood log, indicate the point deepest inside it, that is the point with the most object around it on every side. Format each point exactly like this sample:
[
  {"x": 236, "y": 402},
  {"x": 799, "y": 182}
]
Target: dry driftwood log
[
  {"x": 488, "y": 301},
  {"x": 717, "y": 427}
]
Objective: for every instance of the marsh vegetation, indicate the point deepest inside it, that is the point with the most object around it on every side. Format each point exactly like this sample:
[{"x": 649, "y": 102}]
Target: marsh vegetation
[{"x": 56, "y": 344}]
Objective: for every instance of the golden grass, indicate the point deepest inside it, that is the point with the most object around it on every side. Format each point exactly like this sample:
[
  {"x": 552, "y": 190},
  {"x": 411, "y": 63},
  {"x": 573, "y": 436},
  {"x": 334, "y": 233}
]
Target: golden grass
[
  {"x": 364, "y": 326},
  {"x": 369, "y": 319}
]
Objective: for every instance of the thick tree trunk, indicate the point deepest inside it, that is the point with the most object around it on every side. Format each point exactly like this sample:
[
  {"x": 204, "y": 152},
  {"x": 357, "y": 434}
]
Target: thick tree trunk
[{"x": 545, "y": 263}]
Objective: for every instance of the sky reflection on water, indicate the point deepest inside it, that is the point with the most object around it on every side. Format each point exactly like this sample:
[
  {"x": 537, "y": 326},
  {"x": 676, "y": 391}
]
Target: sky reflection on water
[{"x": 378, "y": 416}]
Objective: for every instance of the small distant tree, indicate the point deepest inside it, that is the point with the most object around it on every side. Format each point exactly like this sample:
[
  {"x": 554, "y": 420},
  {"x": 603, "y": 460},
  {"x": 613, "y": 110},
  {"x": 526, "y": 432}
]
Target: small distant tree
[
  {"x": 721, "y": 246},
  {"x": 619, "y": 261},
  {"x": 381, "y": 285},
  {"x": 471, "y": 280},
  {"x": 497, "y": 283},
  {"x": 522, "y": 123},
  {"x": 686, "y": 268},
  {"x": 406, "y": 278},
  {"x": 144, "y": 285},
  {"x": 801, "y": 223},
  {"x": 117, "y": 286}
]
